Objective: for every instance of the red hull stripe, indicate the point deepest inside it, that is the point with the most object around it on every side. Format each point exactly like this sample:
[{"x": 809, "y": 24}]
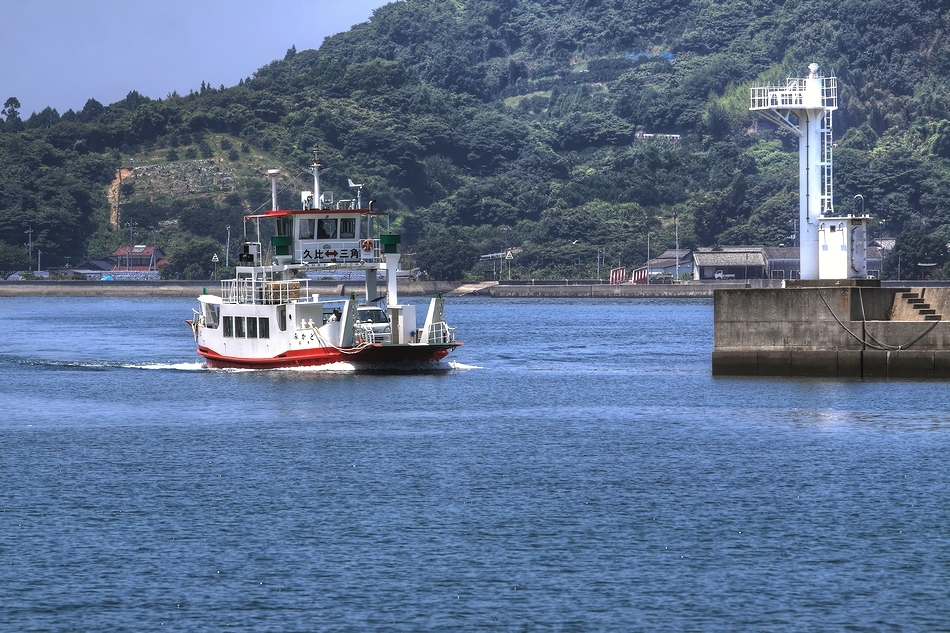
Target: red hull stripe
[{"x": 326, "y": 356}]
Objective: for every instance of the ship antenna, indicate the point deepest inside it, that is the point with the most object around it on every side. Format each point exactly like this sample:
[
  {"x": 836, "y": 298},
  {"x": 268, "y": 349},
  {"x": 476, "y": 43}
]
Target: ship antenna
[{"x": 359, "y": 193}]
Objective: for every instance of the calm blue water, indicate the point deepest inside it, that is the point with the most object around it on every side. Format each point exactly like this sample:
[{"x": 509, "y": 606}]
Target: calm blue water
[{"x": 576, "y": 467}]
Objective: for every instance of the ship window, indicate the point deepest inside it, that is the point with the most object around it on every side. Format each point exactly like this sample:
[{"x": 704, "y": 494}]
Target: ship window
[
  {"x": 282, "y": 318},
  {"x": 263, "y": 327},
  {"x": 283, "y": 226},
  {"x": 239, "y": 327},
  {"x": 212, "y": 315},
  {"x": 347, "y": 228},
  {"x": 251, "y": 327},
  {"x": 306, "y": 229},
  {"x": 228, "y": 326},
  {"x": 326, "y": 229}
]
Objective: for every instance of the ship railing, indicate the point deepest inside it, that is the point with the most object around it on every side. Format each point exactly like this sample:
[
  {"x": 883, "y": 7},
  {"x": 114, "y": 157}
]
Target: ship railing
[
  {"x": 440, "y": 333},
  {"x": 367, "y": 336},
  {"x": 265, "y": 292}
]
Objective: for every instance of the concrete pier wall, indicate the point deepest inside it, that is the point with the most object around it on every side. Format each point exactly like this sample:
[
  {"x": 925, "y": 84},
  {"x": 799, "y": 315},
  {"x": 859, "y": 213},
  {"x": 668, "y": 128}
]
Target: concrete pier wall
[
  {"x": 830, "y": 331},
  {"x": 602, "y": 291}
]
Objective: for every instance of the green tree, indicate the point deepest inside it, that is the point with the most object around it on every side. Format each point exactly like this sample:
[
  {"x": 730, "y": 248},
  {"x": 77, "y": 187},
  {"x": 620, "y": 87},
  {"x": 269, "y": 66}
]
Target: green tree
[
  {"x": 12, "y": 259},
  {"x": 11, "y": 109},
  {"x": 911, "y": 249},
  {"x": 446, "y": 257}
]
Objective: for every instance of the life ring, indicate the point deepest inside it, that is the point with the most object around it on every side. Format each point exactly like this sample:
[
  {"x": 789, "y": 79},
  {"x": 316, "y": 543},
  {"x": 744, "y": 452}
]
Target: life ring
[{"x": 367, "y": 246}]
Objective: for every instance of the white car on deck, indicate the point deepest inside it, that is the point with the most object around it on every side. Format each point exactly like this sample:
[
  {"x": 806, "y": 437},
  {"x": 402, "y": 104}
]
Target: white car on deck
[{"x": 375, "y": 320}]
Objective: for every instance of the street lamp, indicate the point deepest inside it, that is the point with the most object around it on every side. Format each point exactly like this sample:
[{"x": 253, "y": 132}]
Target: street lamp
[{"x": 508, "y": 257}]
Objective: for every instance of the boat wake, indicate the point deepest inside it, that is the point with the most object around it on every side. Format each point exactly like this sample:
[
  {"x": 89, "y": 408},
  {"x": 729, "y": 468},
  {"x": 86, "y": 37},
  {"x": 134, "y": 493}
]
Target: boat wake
[
  {"x": 362, "y": 368},
  {"x": 462, "y": 366},
  {"x": 342, "y": 368},
  {"x": 194, "y": 366},
  {"x": 78, "y": 365}
]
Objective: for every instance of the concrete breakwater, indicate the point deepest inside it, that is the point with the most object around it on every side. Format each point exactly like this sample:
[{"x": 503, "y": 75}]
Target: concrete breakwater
[
  {"x": 849, "y": 330},
  {"x": 540, "y": 289},
  {"x": 600, "y": 291}
]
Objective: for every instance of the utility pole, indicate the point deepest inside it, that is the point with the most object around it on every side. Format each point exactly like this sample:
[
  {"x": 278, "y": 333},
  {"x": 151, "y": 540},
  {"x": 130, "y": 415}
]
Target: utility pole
[
  {"x": 676, "y": 230},
  {"x": 227, "y": 250},
  {"x": 646, "y": 220},
  {"x": 30, "y": 233},
  {"x": 131, "y": 225}
]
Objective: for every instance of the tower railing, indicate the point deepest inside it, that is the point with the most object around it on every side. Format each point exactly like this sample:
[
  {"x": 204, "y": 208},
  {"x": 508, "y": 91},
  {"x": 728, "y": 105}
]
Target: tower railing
[{"x": 794, "y": 95}]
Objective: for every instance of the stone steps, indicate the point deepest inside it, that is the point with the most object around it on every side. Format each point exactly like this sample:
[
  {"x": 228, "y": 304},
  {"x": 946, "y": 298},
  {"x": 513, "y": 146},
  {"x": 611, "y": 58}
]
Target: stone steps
[{"x": 915, "y": 301}]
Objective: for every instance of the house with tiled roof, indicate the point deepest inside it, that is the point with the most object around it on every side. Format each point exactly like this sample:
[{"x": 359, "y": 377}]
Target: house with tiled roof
[
  {"x": 730, "y": 262},
  {"x": 138, "y": 258},
  {"x": 762, "y": 262}
]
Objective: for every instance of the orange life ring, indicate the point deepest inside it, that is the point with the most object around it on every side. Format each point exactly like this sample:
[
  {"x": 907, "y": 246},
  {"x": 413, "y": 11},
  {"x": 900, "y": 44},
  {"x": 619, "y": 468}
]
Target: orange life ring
[{"x": 367, "y": 246}]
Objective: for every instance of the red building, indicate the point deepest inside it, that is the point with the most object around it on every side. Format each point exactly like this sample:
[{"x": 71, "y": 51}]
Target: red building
[{"x": 142, "y": 258}]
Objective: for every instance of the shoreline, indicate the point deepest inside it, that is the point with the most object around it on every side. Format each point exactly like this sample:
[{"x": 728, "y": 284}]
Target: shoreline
[
  {"x": 508, "y": 290},
  {"x": 193, "y": 288},
  {"x": 546, "y": 289}
]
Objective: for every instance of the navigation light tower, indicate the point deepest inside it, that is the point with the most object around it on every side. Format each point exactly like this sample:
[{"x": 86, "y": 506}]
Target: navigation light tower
[{"x": 830, "y": 246}]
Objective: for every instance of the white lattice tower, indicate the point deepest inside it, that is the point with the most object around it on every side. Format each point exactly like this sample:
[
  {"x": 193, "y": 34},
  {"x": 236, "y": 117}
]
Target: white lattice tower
[{"x": 804, "y": 107}]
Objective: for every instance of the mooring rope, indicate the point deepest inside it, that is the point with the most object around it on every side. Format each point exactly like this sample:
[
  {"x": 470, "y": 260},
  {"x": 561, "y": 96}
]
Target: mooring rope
[
  {"x": 873, "y": 343},
  {"x": 343, "y": 350}
]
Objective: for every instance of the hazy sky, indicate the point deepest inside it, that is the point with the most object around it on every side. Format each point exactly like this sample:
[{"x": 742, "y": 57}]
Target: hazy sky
[{"x": 60, "y": 53}]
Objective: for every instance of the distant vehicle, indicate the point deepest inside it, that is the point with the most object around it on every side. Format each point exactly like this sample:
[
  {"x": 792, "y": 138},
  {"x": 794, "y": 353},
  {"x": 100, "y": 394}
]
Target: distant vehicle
[{"x": 721, "y": 275}]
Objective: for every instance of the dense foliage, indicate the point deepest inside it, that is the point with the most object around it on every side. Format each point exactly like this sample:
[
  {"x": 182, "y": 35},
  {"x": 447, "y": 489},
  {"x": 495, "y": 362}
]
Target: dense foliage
[{"x": 487, "y": 125}]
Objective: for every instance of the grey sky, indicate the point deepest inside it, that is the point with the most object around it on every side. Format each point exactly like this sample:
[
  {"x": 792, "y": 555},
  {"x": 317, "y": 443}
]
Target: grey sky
[{"x": 60, "y": 53}]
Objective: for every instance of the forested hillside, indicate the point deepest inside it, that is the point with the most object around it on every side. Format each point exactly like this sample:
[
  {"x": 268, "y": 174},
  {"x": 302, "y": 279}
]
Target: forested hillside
[{"x": 483, "y": 125}]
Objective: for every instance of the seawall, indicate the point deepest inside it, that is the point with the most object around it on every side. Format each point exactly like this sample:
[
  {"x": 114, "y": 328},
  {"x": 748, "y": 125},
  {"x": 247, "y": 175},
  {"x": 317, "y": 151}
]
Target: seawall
[
  {"x": 844, "y": 330},
  {"x": 572, "y": 289}
]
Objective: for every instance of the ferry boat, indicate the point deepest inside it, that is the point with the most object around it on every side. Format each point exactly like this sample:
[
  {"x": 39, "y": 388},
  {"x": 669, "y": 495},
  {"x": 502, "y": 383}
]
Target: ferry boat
[{"x": 267, "y": 318}]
